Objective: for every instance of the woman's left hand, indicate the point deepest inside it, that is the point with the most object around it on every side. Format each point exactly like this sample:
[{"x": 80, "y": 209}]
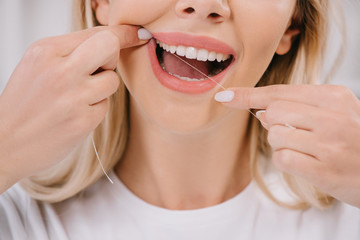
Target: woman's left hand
[{"x": 314, "y": 132}]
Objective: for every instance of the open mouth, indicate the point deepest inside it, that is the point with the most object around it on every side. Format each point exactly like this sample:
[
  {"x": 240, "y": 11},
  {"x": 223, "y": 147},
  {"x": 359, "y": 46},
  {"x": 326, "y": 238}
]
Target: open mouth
[
  {"x": 201, "y": 63},
  {"x": 189, "y": 64}
]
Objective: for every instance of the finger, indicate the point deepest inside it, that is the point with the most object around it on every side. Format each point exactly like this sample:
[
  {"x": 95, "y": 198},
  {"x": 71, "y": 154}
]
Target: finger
[
  {"x": 297, "y": 164},
  {"x": 101, "y": 86},
  {"x": 261, "y": 97},
  {"x": 282, "y": 137},
  {"x": 127, "y": 34},
  {"x": 101, "y": 50},
  {"x": 97, "y": 113},
  {"x": 298, "y": 115}
]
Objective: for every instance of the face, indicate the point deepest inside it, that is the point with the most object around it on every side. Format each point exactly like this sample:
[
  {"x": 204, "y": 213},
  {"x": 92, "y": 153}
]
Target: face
[{"x": 241, "y": 36}]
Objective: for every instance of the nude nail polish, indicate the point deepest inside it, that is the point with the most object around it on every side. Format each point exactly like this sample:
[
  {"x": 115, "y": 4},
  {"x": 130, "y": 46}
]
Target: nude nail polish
[
  {"x": 144, "y": 34},
  {"x": 224, "y": 96}
]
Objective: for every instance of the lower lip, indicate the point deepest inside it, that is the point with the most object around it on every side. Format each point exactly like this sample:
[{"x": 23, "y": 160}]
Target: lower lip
[{"x": 177, "y": 84}]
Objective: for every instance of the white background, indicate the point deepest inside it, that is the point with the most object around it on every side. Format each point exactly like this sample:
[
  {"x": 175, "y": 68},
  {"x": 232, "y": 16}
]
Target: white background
[{"x": 25, "y": 21}]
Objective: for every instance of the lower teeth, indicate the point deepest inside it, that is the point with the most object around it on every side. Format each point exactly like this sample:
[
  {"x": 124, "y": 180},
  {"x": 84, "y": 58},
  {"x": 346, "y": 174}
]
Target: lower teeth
[
  {"x": 188, "y": 79},
  {"x": 184, "y": 78}
]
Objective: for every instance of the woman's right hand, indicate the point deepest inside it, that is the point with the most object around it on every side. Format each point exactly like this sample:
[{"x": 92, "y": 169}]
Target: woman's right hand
[{"x": 53, "y": 100}]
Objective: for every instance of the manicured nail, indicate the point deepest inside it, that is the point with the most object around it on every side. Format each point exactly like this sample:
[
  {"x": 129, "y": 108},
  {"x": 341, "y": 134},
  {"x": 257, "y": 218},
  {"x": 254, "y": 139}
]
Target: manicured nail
[
  {"x": 144, "y": 34},
  {"x": 259, "y": 113},
  {"x": 261, "y": 118},
  {"x": 225, "y": 96}
]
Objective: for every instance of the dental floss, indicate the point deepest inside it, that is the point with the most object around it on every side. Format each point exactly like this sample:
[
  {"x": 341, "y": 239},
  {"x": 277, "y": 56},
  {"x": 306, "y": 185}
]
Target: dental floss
[
  {"x": 97, "y": 155},
  {"x": 214, "y": 82},
  {"x": 289, "y": 126},
  {"x": 199, "y": 71}
]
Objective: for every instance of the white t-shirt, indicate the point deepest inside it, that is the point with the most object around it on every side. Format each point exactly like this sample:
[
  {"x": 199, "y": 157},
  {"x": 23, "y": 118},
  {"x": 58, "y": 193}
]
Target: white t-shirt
[{"x": 111, "y": 211}]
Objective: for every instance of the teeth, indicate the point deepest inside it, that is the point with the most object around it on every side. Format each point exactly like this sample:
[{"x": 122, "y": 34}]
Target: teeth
[
  {"x": 186, "y": 78},
  {"x": 202, "y": 55},
  {"x": 194, "y": 53},
  {"x": 191, "y": 53},
  {"x": 173, "y": 49},
  {"x": 212, "y": 56},
  {"x": 181, "y": 51},
  {"x": 219, "y": 57}
]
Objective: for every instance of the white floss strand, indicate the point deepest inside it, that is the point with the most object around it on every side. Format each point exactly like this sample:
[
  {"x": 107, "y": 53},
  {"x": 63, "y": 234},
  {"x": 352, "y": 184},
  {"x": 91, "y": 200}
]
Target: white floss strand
[
  {"x": 211, "y": 80},
  {"x": 97, "y": 155},
  {"x": 199, "y": 71},
  {"x": 287, "y": 125}
]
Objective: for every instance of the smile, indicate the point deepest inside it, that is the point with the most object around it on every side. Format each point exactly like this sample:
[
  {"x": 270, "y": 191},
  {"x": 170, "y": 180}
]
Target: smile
[
  {"x": 183, "y": 63},
  {"x": 209, "y": 63}
]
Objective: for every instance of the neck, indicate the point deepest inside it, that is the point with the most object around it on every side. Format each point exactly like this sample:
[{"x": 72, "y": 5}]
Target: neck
[{"x": 186, "y": 171}]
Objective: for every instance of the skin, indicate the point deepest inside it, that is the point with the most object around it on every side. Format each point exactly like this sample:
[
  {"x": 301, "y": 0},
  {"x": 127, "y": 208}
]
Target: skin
[
  {"x": 190, "y": 157},
  {"x": 61, "y": 102},
  {"x": 324, "y": 148}
]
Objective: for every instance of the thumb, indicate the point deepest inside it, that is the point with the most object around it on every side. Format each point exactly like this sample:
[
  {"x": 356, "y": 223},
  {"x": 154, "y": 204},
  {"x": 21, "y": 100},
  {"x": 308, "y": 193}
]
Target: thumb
[
  {"x": 244, "y": 98},
  {"x": 131, "y": 36}
]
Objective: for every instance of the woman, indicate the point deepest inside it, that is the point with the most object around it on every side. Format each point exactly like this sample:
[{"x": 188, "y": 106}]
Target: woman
[{"x": 184, "y": 165}]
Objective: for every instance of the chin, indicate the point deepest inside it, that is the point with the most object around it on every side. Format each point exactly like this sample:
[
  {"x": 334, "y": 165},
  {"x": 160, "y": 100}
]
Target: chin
[
  {"x": 170, "y": 94},
  {"x": 185, "y": 123}
]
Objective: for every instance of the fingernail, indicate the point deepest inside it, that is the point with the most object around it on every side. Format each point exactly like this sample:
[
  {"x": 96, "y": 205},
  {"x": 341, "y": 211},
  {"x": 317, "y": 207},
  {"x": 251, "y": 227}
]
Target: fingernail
[
  {"x": 259, "y": 113},
  {"x": 144, "y": 34},
  {"x": 261, "y": 118},
  {"x": 225, "y": 96}
]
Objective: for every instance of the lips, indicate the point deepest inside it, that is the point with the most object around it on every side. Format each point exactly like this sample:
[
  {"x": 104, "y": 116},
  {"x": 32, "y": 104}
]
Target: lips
[{"x": 182, "y": 62}]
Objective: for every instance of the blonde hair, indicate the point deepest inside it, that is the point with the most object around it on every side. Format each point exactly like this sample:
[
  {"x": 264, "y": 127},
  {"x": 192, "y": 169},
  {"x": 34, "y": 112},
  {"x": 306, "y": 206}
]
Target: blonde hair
[{"x": 301, "y": 65}]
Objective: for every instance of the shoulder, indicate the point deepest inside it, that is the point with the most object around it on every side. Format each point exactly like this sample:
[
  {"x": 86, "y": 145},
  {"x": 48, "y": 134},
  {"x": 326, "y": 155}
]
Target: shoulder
[
  {"x": 340, "y": 221},
  {"x": 14, "y": 204},
  {"x": 22, "y": 217},
  {"x": 14, "y": 197}
]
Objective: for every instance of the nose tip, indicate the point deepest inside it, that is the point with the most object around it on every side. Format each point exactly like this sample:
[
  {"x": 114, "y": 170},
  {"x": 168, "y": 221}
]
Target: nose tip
[{"x": 215, "y": 11}]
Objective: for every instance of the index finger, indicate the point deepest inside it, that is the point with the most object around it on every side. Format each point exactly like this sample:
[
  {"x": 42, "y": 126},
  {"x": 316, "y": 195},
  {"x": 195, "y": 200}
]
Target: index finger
[
  {"x": 261, "y": 97},
  {"x": 66, "y": 44}
]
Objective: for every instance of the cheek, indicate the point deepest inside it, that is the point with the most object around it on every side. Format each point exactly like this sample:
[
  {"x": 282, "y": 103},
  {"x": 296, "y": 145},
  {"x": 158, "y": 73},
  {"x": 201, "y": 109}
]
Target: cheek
[
  {"x": 260, "y": 24},
  {"x": 137, "y": 12},
  {"x": 264, "y": 22},
  {"x": 263, "y": 18}
]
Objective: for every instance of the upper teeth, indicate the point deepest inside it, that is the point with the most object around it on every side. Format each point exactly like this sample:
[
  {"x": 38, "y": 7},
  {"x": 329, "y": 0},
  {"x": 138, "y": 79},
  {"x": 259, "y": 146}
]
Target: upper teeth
[{"x": 194, "y": 53}]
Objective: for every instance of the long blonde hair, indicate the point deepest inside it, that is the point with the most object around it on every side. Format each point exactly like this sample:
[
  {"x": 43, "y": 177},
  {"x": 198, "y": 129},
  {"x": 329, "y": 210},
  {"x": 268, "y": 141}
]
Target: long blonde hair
[{"x": 301, "y": 65}]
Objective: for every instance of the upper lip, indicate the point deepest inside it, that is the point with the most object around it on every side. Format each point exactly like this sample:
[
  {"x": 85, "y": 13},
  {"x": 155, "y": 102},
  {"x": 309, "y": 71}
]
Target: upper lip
[{"x": 201, "y": 42}]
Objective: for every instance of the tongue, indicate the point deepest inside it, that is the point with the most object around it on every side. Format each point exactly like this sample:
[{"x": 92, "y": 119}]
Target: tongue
[{"x": 176, "y": 66}]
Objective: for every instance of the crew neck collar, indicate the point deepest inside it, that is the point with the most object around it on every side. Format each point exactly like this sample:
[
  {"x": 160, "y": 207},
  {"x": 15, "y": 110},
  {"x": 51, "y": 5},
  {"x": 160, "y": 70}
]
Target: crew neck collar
[{"x": 226, "y": 211}]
